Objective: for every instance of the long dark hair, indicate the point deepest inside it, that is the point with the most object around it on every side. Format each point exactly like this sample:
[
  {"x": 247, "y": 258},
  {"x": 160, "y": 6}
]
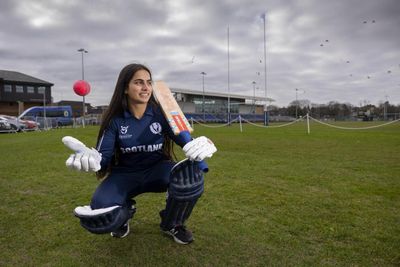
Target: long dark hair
[{"x": 119, "y": 104}]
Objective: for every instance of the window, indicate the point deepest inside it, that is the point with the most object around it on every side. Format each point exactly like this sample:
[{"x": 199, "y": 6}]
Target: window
[
  {"x": 19, "y": 89},
  {"x": 7, "y": 88},
  {"x": 30, "y": 89},
  {"x": 55, "y": 113},
  {"x": 212, "y": 106},
  {"x": 41, "y": 89}
]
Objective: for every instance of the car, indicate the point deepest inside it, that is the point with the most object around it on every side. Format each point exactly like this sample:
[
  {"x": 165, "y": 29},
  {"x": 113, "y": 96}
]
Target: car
[
  {"x": 24, "y": 125},
  {"x": 4, "y": 125},
  {"x": 15, "y": 123},
  {"x": 30, "y": 125}
]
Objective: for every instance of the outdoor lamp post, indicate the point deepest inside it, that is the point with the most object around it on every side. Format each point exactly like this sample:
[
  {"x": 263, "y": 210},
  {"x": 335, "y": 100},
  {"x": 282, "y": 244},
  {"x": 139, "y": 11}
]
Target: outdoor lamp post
[
  {"x": 297, "y": 100},
  {"x": 83, "y": 51},
  {"x": 204, "y": 115}
]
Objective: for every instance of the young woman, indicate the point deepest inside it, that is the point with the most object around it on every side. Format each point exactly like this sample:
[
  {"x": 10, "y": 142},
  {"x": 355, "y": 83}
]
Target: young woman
[{"x": 134, "y": 155}]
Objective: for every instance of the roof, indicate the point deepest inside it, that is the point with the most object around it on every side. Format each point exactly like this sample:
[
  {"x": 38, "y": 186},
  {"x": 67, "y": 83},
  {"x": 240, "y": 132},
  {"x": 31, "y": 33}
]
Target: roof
[
  {"x": 15, "y": 76},
  {"x": 71, "y": 102},
  {"x": 217, "y": 94}
]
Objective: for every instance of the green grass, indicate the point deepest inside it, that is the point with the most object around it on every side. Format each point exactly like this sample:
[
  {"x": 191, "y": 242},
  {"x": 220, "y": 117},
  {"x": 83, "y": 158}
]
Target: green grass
[{"x": 275, "y": 197}]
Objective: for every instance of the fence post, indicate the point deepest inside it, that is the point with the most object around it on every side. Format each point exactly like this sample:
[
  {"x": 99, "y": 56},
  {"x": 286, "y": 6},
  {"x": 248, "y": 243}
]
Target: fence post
[
  {"x": 308, "y": 124},
  {"x": 240, "y": 123}
]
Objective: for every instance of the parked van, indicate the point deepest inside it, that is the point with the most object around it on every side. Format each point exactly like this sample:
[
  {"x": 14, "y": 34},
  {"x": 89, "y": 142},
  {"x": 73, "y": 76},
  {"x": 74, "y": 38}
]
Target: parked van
[{"x": 57, "y": 115}]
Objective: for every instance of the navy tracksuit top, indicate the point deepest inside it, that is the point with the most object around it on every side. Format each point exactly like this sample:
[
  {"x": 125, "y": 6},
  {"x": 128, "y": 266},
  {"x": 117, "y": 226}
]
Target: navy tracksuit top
[{"x": 139, "y": 141}]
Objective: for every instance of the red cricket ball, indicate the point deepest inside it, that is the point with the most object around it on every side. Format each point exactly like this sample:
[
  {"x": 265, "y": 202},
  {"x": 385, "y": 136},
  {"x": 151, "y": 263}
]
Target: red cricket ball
[{"x": 81, "y": 87}]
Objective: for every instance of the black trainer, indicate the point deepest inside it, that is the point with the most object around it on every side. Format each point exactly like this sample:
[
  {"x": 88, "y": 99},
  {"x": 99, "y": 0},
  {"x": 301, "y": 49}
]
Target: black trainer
[
  {"x": 180, "y": 234},
  {"x": 122, "y": 231}
]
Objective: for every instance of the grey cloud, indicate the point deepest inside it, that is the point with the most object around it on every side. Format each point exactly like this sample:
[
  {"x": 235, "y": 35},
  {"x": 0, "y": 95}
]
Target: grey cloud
[{"x": 166, "y": 35}]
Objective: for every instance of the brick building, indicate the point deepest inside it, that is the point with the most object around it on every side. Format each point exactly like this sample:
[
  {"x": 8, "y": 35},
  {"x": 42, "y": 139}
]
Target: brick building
[{"x": 19, "y": 91}]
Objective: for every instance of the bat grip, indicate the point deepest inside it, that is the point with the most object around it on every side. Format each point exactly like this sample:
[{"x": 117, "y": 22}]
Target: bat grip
[{"x": 185, "y": 136}]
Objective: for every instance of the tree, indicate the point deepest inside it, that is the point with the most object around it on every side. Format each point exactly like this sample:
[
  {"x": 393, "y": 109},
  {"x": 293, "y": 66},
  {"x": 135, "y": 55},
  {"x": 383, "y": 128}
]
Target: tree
[{"x": 300, "y": 107}]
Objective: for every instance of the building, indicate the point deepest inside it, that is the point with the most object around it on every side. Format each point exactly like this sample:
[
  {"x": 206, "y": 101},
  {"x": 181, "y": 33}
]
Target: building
[
  {"x": 19, "y": 91},
  {"x": 217, "y": 103},
  {"x": 213, "y": 106}
]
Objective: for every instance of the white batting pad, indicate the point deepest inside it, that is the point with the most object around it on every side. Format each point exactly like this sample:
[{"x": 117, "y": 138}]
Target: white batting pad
[{"x": 87, "y": 210}]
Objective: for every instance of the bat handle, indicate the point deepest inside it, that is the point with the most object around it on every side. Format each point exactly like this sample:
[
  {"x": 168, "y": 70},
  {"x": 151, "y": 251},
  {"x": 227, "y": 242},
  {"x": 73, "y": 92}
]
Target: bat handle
[{"x": 185, "y": 135}]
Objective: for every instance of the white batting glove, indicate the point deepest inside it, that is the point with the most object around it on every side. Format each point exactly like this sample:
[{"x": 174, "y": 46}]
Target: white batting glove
[
  {"x": 84, "y": 159},
  {"x": 199, "y": 148}
]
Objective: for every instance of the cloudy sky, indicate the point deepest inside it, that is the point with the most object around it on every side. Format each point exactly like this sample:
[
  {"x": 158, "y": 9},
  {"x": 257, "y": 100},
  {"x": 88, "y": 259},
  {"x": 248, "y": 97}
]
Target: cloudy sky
[{"x": 342, "y": 50}]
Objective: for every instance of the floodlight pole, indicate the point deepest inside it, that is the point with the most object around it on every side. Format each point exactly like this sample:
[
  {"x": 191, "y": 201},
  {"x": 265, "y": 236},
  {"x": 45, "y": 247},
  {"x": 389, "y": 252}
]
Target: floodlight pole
[
  {"x": 229, "y": 89},
  {"x": 266, "y": 119},
  {"x": 254, "y": 101},
  {"x": 82, "y": 50},
  {"x": 254, "y": 97},
  {"x": 204, "y": 115},
  {"x": 297, "y": 102}
]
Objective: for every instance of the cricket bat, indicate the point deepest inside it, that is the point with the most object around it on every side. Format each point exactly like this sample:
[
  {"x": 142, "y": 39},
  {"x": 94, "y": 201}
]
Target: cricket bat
[{"x": 174, "y": 115}]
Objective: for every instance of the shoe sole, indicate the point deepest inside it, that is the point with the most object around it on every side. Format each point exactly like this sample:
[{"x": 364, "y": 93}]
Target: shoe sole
[
  {"x": 176, "y": 239},
  {"x": 119, "y": 236},
  {"x": 124, "y": 235}
]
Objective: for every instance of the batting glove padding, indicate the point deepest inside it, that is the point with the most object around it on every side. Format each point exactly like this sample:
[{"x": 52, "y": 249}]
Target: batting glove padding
[
  {"x": 199, "y": 148},
  {"x": 84, "y": 159}
]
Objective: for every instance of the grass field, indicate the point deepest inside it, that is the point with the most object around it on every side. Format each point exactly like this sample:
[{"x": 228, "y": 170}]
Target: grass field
[{"x": 273, "y": 197}]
